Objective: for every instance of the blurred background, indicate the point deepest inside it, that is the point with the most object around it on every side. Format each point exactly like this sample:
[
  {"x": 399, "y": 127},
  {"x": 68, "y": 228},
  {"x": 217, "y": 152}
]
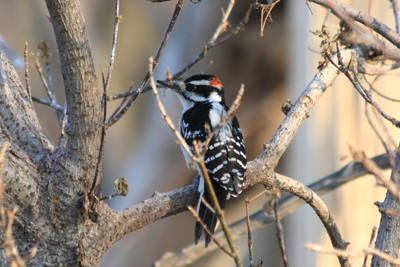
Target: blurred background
[{"x": 273, "y": 67}]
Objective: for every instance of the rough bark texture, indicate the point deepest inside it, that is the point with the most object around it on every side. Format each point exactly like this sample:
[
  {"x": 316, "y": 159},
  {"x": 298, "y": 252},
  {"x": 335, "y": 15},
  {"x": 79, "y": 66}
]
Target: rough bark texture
[
  {"x": 49, "y": 185},
  {"x": 388, "y": 239}
]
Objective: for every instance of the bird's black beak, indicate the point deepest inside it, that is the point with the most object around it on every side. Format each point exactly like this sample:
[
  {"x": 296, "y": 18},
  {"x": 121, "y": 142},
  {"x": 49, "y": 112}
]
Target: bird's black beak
[{"x": 176, "y": 86}]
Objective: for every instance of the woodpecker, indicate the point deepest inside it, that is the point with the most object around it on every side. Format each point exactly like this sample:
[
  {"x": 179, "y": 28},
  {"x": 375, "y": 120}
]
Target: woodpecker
[{"x": 203, "y": 101}]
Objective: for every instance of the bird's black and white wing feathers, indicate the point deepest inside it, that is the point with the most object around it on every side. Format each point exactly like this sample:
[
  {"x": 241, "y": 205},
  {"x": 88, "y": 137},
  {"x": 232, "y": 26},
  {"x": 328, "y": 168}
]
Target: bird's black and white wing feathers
[{"x": 226, "y": 158}]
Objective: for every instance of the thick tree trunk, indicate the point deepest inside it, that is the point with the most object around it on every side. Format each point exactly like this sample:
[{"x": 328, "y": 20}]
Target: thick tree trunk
[{"x": 49, "y": 185}]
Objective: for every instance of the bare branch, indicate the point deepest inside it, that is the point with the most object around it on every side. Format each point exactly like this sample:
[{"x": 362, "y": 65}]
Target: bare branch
[
  {"x": 280, "y": 235},
  {"x": 28, "y": 86},
  {"x": 360, "y": 156},
  {"x": 165, "y": 116},
  {"x": 357, "y": 254},
  {"x": 194, "y": 213},
  {"x": 214, "y": 42},
  {"x": 117, "y": 20},
  {"x": 370, "y": 245},
  {"x": 365, "y": 68},
  {"x": 106, "y": 84},
  {"x": 224, "y": 22},
  {"x": 47, "y": 83},
  {"x": 360, "y": 87},
  {"x": 396, "y": 11},
  {"x": 123, "y": 111},
  {"x": 266, "y": 10},
  {"x": 345, "y": 12}
]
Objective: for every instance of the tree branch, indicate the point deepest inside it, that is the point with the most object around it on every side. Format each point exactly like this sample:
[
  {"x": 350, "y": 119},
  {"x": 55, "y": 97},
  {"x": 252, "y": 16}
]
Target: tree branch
[
  {"x": 388, "y": 238},
  {"x": 146, "y": 78},
  {"x": 286, "y": 206},
  {"x": 344, "y": 11},
  {"x": 84, "y": 121}
]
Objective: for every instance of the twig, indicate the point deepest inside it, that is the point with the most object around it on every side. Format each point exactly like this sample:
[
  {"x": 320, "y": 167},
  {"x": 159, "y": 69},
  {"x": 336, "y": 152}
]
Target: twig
[
  {"x": 125, "y": 96},
  {"x": 47, "y": 103},
  {"x": 396, "y": 11},
  {"x": 360, "y": 87},
  {"x": 280, "y": 235},
  {"x": 356, "y": 254},
  {"x": 346, "y": 12},
  {"x": 391, "y": 141},
  {"x": 250, "y": 241},
  {"x": 249, "y": 238},
  {"x": 225, "y": 119},
  {"x": 219, "y": 211},
  {"x": 45, "y": 84},
  {"x": 103, "y": 135},
  {"x": 378, "y": 92},
  {"x": 123, "y": 111},
  {"x": 28, "y": 86},
  {"x": 46, "y": 59},
  {"x": 49, "y": 90},
  {"x": 44, "y": 46},
  {"x": 164, "y": 114},
  {"x": 194, "y": 213},
  {"x": 211, "y": 44},
  {"x": 370, "y": 245},
  {"x": 214, "y": 42},
  {"x": 265, "y": 9},
  {"x": 224, "y": 21},
  {"x": 365, "y": 68},
  {"x": 371, "y": 101},
  {"x": 106, "y": 84},
  {"x": 374, "y": 128},
  {"x": 117, "y": 20},
  {"x": 371, "y": 166},
  {"x": 391, "y": 146}
]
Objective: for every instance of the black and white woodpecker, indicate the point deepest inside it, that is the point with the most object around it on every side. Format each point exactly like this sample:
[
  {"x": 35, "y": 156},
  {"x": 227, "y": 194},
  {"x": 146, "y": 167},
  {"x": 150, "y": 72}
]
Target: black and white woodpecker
[{"x": 203, "y": 101}]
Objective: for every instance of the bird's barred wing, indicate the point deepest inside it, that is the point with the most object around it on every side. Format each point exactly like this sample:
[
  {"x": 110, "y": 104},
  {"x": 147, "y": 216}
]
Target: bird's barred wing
[{"x": 226, "y": 158}]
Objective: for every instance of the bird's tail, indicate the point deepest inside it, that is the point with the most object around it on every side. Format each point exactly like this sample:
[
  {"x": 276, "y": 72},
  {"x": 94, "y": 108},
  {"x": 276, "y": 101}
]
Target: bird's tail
[{"x": 207, "y": 216}]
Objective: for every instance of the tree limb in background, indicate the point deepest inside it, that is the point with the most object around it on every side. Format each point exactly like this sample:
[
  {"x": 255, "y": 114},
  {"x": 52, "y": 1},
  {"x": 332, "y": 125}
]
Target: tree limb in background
[
  {"x": 350, "y": 14},
  {"x": 286, "y": 206},
  {"x": 357, "y": 254}
]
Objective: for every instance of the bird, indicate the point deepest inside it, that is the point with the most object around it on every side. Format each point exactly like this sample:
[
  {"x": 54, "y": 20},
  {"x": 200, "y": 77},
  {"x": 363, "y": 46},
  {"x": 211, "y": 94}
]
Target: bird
[{"x": 203, "y": 100}]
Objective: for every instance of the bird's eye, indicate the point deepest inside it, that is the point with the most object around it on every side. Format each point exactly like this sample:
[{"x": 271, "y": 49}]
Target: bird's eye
[{"x": 190, "y": 87}]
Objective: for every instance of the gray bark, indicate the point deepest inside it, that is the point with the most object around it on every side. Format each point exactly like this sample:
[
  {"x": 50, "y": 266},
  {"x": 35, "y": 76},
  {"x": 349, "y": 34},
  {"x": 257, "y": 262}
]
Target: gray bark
[{"x": 388, "y": 238}]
